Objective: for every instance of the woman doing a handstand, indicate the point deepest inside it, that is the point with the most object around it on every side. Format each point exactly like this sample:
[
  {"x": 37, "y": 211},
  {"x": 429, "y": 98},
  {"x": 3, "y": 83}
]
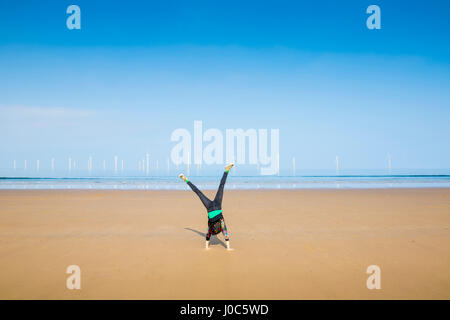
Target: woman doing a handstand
[{"x": 216, "y": 222}]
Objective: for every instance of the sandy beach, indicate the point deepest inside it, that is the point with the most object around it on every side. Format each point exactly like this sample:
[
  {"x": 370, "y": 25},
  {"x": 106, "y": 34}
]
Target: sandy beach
[{"x": 303, "y": 244}]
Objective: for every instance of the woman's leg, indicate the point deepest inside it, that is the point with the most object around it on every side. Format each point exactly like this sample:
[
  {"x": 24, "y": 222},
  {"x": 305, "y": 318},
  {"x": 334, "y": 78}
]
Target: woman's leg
[
  {"x": 206, "y": 202},
  {"x": 219, "y": 194}
]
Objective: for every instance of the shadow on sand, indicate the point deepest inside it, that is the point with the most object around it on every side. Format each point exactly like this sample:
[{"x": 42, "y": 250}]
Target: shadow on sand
[{"x": 213, "y": 241}]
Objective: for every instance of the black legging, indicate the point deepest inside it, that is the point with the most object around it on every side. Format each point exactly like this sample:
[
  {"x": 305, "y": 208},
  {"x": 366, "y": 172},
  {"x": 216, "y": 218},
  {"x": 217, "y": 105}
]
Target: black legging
[{"x": 216, "y": 204}]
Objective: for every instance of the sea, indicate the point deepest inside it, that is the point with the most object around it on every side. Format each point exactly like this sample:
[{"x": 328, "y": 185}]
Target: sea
[{"x": 316, "y": 180}]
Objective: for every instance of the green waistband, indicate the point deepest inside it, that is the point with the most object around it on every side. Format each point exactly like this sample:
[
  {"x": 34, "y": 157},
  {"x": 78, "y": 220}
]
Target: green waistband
[{"x": 214, "y": 213}]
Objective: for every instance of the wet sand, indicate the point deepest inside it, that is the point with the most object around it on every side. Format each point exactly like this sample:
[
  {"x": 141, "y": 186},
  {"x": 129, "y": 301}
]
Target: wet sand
[{"x": 303, "y": 244}]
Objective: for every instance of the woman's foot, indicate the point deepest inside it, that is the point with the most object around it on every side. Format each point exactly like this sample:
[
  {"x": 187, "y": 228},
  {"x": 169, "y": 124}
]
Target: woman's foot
[
  {"x": 183, "y": 177},
  {"x": 207, "y": 245},
  {"x": 228, "y": 246},
  {"x": 228, "y": 167}
]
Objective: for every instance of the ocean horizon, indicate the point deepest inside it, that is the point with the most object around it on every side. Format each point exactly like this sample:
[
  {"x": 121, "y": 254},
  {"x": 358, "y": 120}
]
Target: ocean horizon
[{"x": 344, "y": 181}]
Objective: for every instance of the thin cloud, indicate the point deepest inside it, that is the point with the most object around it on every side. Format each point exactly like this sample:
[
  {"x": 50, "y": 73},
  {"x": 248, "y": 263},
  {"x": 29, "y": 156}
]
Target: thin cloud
[{"x": 44, "y": 112}]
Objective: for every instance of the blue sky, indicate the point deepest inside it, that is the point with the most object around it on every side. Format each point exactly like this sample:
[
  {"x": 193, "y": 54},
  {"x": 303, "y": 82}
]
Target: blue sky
[{"x": 138, "y": 70}]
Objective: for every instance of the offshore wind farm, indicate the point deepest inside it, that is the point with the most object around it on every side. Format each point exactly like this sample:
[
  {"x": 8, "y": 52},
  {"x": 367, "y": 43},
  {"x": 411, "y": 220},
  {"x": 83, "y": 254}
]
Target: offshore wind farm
[{"x": 147, "y": 175}]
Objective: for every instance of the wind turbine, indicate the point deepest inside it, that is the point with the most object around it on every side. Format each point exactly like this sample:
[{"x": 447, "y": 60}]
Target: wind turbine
[
  {"x": 90, "y": 164},
  {"x": 293, "y": 166},
  {"x": 189, "y": 163},
  {"x": 337, "y": 164},
  {"x": 278, "y": 163}
]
